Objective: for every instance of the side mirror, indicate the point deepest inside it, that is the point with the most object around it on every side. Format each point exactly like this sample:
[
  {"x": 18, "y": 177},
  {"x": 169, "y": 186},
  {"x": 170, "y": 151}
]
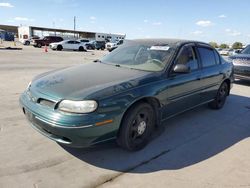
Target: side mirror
[{"x": 181, "y": 68}]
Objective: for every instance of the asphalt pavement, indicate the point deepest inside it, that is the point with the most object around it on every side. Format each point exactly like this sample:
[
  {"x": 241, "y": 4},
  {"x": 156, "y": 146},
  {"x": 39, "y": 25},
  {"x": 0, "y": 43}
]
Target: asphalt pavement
[{"x": 199, "y": 148}]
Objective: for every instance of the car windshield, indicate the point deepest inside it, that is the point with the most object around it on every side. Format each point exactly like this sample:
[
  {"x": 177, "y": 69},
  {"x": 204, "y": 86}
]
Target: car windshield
[
  {"x": 141, "y": 56},
  {"x": 246, "y": 50}
]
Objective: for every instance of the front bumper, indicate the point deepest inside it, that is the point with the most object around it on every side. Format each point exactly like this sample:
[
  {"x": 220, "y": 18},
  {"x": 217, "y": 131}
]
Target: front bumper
[
  {"x": 111, "y": 48},
  {"x": 73, "y": 130}
]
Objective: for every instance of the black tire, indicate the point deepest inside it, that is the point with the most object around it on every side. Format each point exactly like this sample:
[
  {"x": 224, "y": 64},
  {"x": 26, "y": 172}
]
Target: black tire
[
  {"x": 27, "y": 43},
  {"x": 81, "y": 49},
  {"x": 220, "y": 98},
  {"x": 39, "y": 45},
  {"x": 137, "y": 126},
  {"x": 102, "y": 48},
  {"x": 59, "y": 48}
]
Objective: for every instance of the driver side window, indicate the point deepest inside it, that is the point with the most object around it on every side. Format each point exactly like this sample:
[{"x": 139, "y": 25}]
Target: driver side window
[{"x": 187, "y": 57}]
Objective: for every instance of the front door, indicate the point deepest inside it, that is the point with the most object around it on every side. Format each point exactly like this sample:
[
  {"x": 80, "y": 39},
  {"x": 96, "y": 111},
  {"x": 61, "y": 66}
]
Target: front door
[{"x": 183, "y": 91}]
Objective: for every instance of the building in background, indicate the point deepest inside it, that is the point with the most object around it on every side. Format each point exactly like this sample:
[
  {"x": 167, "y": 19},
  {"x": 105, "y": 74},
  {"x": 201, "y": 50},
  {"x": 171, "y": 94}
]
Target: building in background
[
  {"x": 26, "y": 32},
  {"x": 6, "y": 36}
]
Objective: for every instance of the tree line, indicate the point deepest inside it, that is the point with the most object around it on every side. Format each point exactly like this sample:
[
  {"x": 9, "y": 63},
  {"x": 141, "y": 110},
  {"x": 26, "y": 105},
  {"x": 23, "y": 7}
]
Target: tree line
[{"x": 236, "y": 45}]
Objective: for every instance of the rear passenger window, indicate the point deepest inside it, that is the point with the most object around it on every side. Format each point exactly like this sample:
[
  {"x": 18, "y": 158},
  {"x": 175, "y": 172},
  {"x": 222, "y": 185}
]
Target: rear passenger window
[
  {"x": 188, "y": 57},
  {"x": 207, "y": 56}
]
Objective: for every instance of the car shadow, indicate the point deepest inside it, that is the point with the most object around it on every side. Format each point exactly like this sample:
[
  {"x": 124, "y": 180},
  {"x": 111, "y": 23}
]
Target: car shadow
[{"x": 182, "y": 141}]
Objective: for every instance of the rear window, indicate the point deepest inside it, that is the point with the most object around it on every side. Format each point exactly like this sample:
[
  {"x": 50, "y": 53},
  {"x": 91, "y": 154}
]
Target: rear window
[{"x": 207, "y": 56}]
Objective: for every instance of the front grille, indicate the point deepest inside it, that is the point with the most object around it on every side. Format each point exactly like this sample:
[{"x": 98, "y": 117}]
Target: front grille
[
  {"x": 46, "y": 102},
  {"x": 242, "y": 61}
]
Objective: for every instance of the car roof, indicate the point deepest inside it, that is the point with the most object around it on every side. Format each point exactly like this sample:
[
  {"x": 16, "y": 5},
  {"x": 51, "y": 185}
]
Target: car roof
[{"x": 173, "y": 42}]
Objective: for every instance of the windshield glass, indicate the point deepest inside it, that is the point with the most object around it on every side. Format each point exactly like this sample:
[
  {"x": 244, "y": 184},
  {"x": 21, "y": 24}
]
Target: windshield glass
[
  {"x": 246, "y": 50},
  {"x": 141, "y": 56}
]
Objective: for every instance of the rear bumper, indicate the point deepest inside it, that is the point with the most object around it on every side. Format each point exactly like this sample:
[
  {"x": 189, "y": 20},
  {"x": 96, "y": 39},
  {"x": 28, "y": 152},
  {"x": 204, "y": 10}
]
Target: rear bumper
[{"x": 53, "y": 47}]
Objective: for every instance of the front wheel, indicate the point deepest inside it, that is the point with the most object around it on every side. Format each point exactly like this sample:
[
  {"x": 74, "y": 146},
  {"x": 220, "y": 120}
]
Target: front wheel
[
  {"x": 81, "y": 49},
  {"x": 137, "y": 126},
  {"x": 27, "y": 43},
  {"x": 39, "y": 45},
  {"x": 221, "y": 97}
]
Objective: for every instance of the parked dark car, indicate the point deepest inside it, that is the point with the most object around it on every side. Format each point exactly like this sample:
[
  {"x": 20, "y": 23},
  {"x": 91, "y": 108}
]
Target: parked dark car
[
  {"x": 128, "y": 93},
  {"x": 90, "y": 45},
  {"x": 100, "y": 45},
  {"x": 241, "y": 62},
  {"x": 46, "y": 41}
]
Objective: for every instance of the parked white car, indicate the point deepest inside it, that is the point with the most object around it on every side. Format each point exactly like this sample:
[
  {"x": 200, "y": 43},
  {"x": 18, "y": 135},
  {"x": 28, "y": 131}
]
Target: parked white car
[
  {"x": 28, "y": 41},
  {"x": 113, "y": 45},
  {"x": 224, "y": 52},
  {"x": 234, "y": 52},
  {"x": 68, "y": 45}
]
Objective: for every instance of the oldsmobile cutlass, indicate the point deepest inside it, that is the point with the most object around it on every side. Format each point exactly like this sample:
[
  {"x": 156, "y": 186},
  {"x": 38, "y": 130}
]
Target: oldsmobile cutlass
[{"x": 128, "y": 93}]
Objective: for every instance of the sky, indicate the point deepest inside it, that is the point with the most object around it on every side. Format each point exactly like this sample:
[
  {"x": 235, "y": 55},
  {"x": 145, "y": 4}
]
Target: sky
[{"x": 222, "y": 21}]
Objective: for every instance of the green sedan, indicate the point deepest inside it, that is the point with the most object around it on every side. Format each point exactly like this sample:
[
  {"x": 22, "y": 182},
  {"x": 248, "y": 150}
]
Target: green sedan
[{"x": 128, "y": 93}]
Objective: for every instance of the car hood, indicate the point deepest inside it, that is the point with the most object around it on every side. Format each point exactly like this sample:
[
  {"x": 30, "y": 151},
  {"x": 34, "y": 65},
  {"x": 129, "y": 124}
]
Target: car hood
[
  {"x": 87, "y": 81},
  {"x": 111, "y": 43},
  {"x": 241, "y": 56}
]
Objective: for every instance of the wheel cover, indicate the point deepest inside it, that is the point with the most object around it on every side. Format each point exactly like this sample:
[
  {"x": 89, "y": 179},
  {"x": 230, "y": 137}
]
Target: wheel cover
[
  {"x": 222, "y": 94},
  {"x": 139, "y": 126}
]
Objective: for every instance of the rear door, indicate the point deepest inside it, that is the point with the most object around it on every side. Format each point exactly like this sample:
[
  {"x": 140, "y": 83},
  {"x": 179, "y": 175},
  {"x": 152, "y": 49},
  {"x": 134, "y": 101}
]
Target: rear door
[
  {"x": 183, "y": 91},
  {"x": 212, "y": 74}
]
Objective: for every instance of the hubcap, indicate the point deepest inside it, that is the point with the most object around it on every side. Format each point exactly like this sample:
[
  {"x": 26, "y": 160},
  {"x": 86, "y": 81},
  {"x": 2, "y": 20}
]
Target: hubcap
[
  {"x": 222, "y": 94},
  {"x": 141, "y": 127}
]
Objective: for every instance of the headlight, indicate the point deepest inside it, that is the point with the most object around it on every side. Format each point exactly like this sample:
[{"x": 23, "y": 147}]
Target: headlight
[{"x": 79, "y": 107}]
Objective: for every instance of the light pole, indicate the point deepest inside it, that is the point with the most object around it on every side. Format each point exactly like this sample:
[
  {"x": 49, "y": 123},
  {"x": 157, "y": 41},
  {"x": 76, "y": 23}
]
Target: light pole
[
  {"x": 54, "y": 27},
  {"x": 74, "y": 25}
]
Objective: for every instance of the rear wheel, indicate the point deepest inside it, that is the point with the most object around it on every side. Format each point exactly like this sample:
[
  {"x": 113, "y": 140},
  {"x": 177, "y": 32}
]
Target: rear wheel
[
  {"x": 221, "y": 96},
  {"x": 59, "y": 47},
  {"x": 39, "y": 45},
  {"x": 137, "y": 125}
]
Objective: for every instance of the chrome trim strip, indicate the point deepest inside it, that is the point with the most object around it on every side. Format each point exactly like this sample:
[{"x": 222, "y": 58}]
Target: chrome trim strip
[{"x": 55, "y": 125}]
